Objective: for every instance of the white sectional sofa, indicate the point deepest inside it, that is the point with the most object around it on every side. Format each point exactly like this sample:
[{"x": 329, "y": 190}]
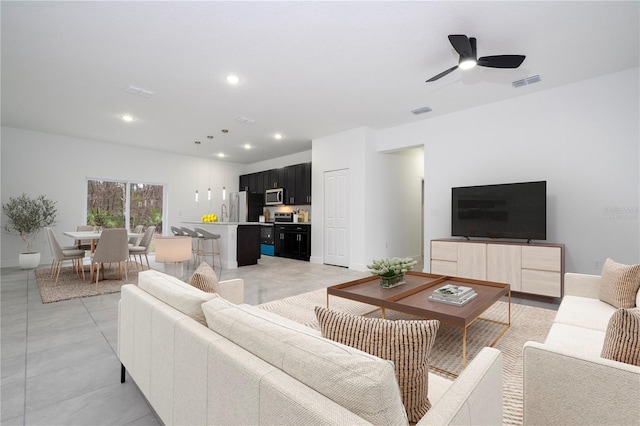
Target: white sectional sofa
[
  {"x": 192, "y": 375},
  {"x": 565, "y": 381}
]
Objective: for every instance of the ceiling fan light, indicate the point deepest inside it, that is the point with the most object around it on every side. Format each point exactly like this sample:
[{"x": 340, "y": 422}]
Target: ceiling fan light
[{"x": 467, "y": 63}]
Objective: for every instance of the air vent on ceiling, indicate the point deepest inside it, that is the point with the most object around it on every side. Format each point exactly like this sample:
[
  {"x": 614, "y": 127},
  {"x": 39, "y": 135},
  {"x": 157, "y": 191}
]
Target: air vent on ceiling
[
  {"x": 525, "y": 81},
  {"x": 421, "y": 110},
  {"x": 244, "y": 120},
  {"x": 140, "y": 92}
]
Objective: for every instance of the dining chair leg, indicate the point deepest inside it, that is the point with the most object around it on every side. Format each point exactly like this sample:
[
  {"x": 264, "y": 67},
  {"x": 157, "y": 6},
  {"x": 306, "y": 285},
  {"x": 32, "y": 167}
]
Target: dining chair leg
[
  {"x": 81, "y": 264},
  {"x": 58, "y": 273}
]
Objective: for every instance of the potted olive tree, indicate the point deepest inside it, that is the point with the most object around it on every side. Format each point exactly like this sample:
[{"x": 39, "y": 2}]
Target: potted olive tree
[{"x": 26, "y": 217}]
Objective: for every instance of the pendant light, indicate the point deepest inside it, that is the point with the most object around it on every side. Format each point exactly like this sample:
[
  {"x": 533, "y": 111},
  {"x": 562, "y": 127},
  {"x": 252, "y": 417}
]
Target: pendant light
[
  {"x": 224, "y": 189},
  {"x": 209, "y": 157},
  {"x": 197, "y": 143}
]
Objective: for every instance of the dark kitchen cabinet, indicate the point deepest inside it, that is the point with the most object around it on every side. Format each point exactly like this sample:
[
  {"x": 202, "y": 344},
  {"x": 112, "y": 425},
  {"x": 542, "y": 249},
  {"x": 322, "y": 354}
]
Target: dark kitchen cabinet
[
  {"x": 254, "y": 182},
  {"x": 248, "y": 247},
  {"x": 276, "y": 178},
  {"x": 298, "y": 184},
  {"x": 293, "y": 241},
  {"x": 244, "y": 183},
  {"x": 296, "y": 180}
]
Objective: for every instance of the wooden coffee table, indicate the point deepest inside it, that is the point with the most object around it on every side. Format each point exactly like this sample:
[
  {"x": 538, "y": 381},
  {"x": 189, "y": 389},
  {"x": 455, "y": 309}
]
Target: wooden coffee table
[{"x": 413, "y": 298}]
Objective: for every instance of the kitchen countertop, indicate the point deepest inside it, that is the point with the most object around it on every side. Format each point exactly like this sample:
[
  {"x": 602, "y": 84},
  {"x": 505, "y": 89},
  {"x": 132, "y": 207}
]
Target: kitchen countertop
[{"x": 222, "y": 223}]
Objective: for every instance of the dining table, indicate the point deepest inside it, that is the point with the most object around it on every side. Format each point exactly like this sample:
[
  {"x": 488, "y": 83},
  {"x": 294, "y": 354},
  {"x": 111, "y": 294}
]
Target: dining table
[{"x": 94, "y": 236}]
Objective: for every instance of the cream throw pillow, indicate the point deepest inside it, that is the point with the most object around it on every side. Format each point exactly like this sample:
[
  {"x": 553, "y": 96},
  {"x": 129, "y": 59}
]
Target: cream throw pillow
[
  {"x": 205, "y": 278},
  {"x": 405, "y": 343},
  {"x": 619, "y": 284},
  {"x": 622, "y": 340}
]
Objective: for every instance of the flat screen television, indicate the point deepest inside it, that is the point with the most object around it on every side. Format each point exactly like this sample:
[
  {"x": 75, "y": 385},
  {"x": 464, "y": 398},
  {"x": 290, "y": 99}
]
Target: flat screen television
[{"x": 514, "y": 210}]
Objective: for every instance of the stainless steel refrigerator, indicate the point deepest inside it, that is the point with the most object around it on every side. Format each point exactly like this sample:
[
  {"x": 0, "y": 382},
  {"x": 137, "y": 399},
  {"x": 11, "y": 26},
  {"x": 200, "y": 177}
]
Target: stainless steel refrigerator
[{"x": 245, "y": 206}]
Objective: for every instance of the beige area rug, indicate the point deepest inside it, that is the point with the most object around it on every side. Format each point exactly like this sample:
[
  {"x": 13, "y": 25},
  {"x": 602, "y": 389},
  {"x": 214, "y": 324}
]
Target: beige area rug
[
  {"x": 527, "y": 323},
  {"x": 71, "y": 286}
]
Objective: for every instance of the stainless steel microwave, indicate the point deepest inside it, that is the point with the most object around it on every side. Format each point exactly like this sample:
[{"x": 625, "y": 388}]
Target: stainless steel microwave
[{"x": 274, "y": 197}]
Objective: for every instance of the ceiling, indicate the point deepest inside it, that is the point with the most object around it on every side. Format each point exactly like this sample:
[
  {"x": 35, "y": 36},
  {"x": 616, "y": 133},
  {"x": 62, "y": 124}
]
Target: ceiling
[{"x": 307, "y": 69}]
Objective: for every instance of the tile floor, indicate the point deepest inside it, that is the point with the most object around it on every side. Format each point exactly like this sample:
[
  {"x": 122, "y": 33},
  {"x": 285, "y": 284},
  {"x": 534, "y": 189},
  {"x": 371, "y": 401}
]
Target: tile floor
[{"x": 58, "y": 360}]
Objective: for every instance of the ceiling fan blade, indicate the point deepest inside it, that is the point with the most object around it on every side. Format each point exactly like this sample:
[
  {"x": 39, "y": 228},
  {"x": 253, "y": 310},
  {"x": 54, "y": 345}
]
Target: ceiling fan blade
[
  {"x": 442, "y": 74},
  {"x": 501, "y": 61},
  {"x": 461, "y": 44}
]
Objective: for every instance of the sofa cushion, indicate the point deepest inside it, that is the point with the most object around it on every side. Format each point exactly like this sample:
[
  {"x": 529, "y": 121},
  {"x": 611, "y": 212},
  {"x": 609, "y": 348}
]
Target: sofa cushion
[
  {"x": 405, "y": 343},
  {"x": 178, "y": 294},
  {"x": 205, "y": 279},
  {"x": 362, "y": 383},
  {"x": 584, "y": 312},
  {"x": 619, "y": 284},
  {"x": 622, "y": 340},
  {"x": 575, "y": 339}
]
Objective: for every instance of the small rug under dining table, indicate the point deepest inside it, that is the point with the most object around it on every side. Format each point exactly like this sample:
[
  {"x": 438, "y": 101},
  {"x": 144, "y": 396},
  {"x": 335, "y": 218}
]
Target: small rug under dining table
[{"x": 72, "y": 286}]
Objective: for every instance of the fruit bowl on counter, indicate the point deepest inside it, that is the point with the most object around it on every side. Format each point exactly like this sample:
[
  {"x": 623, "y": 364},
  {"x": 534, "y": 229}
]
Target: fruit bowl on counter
[{"x": 209, "y": 217}]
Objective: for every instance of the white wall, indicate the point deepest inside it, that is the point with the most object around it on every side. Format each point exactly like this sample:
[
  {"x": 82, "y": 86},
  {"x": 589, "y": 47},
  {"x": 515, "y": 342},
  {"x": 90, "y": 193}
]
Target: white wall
[
  {"x": 583, "y": 139},
  {"x": 384, "y": 194},
  {"x": 335, "y": 152},
  {"x": 58, "y": 166}
]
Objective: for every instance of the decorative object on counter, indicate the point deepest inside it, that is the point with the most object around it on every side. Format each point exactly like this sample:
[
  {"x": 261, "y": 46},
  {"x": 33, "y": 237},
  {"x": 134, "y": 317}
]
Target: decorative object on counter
[
  {"x": 391, "y": 270},
  {"x": 26, "y": 217},
  {"x": 210, "y": 217}
]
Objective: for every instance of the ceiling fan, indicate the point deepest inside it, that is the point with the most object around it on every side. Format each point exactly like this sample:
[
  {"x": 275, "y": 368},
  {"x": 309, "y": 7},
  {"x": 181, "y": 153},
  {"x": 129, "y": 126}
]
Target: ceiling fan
[{"x": 466, "y": 48}]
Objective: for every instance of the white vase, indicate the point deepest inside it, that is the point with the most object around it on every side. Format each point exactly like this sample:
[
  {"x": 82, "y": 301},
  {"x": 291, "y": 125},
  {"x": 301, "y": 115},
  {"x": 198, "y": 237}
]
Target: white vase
[{"x": 29, "y": 260}]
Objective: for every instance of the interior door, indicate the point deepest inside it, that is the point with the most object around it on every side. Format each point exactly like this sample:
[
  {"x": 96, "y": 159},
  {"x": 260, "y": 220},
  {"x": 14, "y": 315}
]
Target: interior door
[{"x": 336, "y": 218}]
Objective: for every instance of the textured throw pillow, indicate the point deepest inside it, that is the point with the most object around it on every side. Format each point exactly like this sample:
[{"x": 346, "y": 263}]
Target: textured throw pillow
[
  {"x": 405, "y": 343},
  {"x": 619, "y": 284},
  {"x": 205, "y": 278},
  {"x": 622, "y": 340}
]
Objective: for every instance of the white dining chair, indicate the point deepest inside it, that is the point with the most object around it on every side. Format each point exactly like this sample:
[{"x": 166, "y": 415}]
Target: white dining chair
[
  {"x": 143, "y": 247},
  {"x": 113, "y": 247},
  {"x": 60, "y": 255}
]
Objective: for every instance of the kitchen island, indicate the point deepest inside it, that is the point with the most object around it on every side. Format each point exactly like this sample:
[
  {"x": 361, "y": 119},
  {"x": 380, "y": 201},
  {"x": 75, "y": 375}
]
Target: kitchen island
[{"x": 239, "y": 241}]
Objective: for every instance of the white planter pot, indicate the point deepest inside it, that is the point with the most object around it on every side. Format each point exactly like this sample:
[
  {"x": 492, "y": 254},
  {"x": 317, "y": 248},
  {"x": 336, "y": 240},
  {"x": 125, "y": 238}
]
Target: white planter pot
[{"x": 29, "y": 260}]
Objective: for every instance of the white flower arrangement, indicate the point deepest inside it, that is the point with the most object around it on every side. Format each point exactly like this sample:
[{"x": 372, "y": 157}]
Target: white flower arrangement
[{"x": 389, "y": 267}]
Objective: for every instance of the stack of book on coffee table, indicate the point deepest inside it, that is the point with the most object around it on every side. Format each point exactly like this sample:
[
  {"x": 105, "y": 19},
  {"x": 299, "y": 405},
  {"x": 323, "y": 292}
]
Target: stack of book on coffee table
[{"x": 453, "y": 295}]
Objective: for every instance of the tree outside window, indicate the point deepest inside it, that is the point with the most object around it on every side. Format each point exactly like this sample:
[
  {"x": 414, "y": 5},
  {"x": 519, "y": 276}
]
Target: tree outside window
[{"x": 111, "y": 203}]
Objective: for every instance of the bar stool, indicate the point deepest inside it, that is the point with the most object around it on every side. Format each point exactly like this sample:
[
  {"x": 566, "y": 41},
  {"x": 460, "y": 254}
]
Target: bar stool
[
  {"x": 215, "y": 247},
  {"x": 177, "y": 232},
  {"x": 197, "y": 250}
]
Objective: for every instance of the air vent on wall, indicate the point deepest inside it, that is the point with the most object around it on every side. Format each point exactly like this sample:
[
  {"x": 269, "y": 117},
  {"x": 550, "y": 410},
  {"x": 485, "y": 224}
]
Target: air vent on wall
[
  {"x": 525, "y": 81},
  {"x": 421, "y": 110},
  {"x": 140, "y": 92}
]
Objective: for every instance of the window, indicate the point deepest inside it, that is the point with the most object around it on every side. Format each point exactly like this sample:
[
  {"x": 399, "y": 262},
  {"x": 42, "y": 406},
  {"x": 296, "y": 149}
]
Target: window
[
  {"x": 145, "y": 206},
  {"x": 118, "y": 204}
]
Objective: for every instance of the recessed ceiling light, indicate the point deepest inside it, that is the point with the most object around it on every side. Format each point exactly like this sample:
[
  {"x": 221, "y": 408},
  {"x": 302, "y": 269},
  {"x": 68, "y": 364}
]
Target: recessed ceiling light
[
  {"x": 127, "y": 118},
  {"x": 232, "y": 79},
  {"x": 278, "y": 136},
  {"x": 247, "y": 146},
  {"x": 221, "y": 154}
]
